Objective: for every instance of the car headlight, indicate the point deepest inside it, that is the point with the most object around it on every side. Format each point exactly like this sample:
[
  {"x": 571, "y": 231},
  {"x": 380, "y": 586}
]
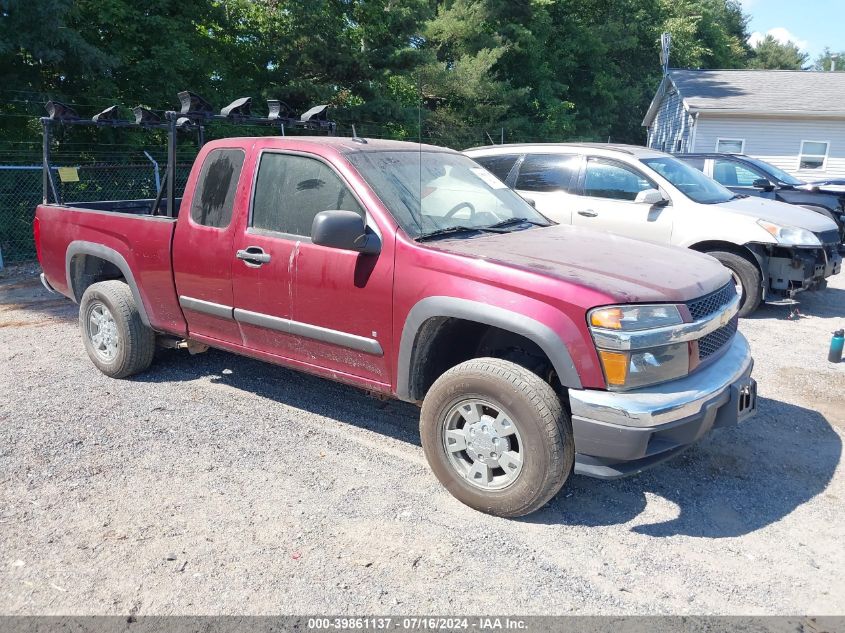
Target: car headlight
[
  {"x": 629, "y": 369},
  {"x": 790, "y": 235},
  {"x": 633, "y": 317}
]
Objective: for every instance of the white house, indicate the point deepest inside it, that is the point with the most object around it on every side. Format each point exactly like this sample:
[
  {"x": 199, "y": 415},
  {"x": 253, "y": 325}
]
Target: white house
[{"x": 794, "y": 119}]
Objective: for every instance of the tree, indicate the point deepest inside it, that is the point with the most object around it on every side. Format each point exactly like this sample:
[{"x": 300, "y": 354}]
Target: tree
[
  {"x": 830, "y": 58},
  {"x": 773, "y": 55},
  {"x": 706, "y": 33}
]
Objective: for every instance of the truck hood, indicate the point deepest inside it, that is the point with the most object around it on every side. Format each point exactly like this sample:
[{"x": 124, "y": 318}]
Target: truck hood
[
  {"x": 625, "y": 269},
  {"x": 780, "y": 213}
]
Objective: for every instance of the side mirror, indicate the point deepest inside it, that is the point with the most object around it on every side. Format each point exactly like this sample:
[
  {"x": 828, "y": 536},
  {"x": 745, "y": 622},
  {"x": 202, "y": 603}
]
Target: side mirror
[
  {"x": 344, "y": 230},
  {"x": 530, "y": 201},
  {"x": 650, "y": 197},
  {"x": 762, "y": 183}
]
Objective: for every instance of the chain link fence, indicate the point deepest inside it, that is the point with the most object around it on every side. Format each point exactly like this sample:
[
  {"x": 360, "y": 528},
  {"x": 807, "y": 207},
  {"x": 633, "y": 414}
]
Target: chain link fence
[{"x": 21, "y": 192}]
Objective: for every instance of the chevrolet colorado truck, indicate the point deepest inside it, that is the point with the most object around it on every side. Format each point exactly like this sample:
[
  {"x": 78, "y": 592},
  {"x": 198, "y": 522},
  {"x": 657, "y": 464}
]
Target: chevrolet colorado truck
[{"x": 535, "y": 350}]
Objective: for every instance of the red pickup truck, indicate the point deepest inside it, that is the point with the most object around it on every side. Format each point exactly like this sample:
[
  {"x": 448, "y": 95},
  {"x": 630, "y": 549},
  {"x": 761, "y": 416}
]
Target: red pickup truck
[{"x": 534, "y": 349}]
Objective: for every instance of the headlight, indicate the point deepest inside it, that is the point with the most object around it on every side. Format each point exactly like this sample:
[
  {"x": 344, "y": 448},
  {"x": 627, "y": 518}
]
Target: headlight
[
  {"x": 634, "y": 317},
  {"x": 636, "y": 368},
  {"x": 790, "y": 235}
]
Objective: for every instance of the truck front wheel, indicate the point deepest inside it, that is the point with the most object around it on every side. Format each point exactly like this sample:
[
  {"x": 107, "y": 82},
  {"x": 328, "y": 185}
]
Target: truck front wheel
[
  {"x": 497, "y": 437},
  {"x": 116, "y": 339}
]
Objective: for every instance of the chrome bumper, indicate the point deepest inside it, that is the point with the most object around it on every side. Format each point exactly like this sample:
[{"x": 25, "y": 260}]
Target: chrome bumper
[
  {"x": 47, "y": 285},
  {"x": 620, "y": 433}
]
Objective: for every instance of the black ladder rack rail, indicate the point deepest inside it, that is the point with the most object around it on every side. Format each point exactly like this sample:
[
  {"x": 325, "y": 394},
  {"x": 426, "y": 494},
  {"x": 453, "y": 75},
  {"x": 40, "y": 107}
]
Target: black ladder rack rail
[{"x": 187, "y": 120}]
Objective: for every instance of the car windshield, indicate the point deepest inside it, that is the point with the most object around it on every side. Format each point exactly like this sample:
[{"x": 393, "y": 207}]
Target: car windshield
[
  {"x": 432, "y": 191},
  {"x": 691, "y": 182},
  {"x": 781, "y": 175}
]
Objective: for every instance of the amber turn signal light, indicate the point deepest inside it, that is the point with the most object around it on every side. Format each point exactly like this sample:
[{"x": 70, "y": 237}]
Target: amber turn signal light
[
  {"x": 610, "y": 318},
  {"x": 615, "y": 367}
]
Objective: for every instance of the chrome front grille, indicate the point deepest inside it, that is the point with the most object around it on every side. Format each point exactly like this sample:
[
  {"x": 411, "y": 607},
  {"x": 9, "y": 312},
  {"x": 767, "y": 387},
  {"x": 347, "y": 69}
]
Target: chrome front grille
[
  {"x": 713, "y": 342},
  {"x": 708, "y": 304}
]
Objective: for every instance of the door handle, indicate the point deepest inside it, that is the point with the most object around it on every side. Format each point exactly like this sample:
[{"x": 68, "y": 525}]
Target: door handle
[
  {"x": 253, "y": 256},
  {"x": 588, "y": 213}
]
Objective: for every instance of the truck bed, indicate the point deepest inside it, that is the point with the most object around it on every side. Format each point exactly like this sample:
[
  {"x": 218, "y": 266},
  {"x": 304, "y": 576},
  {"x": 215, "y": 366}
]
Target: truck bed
[
  {"x": 142, "y": 206},
  {"x": 119, "y": 237}
]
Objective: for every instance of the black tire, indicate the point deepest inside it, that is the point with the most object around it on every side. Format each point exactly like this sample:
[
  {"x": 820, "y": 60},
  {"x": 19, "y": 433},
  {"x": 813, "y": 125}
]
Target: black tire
[
  {"x": 135, "y": 343},
  {"x": 749, "y": 277},
  {"x": 545, "y": 434}
]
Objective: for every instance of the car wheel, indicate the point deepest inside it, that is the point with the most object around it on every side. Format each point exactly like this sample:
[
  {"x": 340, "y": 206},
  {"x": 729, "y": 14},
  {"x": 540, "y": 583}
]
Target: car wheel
[
  {"x": 116, "y": 339},
  {"x": 746, "y": 278},
  {"x": 497, "y": 437}
]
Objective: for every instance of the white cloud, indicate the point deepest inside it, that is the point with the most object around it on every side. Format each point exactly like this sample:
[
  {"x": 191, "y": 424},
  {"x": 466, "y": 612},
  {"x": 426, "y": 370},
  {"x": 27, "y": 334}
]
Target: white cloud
[{"x": 781, "y": 34}]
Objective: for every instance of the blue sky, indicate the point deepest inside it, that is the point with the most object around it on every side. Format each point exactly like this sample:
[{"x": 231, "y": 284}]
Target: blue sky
[{"x": 812, "y": 24}]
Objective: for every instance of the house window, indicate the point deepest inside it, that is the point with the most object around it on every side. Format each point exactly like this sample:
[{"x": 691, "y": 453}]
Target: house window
[
  {"x": 730, "y": 145},
  {"x": 678, "y": 144},
  {"x": 813, "y": 154}
]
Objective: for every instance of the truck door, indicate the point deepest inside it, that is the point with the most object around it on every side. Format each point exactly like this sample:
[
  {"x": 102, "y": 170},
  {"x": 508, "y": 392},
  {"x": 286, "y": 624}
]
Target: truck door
[
  {"x": 203, "y": 243},
  {"x": 321, "y": 307},
  {"x": 606, "y": 202}
]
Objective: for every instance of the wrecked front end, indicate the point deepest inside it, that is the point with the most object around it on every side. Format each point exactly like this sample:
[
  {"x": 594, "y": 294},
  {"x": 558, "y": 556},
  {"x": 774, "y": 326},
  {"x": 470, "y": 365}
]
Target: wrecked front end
[{"x": 789, "y": 270}]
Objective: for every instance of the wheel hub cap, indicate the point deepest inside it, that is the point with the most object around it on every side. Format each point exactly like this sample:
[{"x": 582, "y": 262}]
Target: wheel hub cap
[
  {"x": 483, "y": 444},
  {"x": 102, "y": 331}
]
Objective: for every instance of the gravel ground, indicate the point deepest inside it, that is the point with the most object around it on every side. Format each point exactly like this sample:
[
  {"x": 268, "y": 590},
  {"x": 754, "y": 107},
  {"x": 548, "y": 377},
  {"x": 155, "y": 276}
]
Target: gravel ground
[{"x": 216, "y": 484}]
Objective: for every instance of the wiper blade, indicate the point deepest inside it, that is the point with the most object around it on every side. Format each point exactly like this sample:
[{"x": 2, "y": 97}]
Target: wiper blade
[
  {"x": 511, "y": 221},
  {"x": 450, "y": 230}
]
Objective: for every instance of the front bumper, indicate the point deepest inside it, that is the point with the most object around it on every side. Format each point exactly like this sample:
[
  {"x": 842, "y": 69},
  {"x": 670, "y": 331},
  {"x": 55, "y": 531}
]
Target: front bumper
[
  {"x": 803, "y": 269},
  {"x": 623, "y": 433}
]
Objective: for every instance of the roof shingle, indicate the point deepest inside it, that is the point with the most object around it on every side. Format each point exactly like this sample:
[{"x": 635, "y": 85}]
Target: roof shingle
[{"x": 776, "y": 91}]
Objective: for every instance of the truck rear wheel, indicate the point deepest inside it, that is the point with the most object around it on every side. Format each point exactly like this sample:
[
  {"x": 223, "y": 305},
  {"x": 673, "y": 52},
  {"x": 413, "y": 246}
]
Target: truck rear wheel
[
  {"x": 116, "y": 339},
  {"x": 746, "y": 276},
  {"x": 497, "y": 437}
]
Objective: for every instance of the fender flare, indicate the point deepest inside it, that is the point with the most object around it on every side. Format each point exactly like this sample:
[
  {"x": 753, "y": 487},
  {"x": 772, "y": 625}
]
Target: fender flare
[
  {"x": 80, "y": 247},
  {"x": 452, "y": 307}
]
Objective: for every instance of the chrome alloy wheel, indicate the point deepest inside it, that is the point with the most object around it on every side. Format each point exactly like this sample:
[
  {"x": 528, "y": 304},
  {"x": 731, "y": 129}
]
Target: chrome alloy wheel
[
  {"x": 102, "y": 331},
  {"x": 483, "y": 444}
]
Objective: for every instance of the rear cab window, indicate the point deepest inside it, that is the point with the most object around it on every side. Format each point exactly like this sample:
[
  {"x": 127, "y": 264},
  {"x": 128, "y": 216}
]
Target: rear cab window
[
  {"x": 291, "y": 189},
  {"x": 214, "y": 195}
]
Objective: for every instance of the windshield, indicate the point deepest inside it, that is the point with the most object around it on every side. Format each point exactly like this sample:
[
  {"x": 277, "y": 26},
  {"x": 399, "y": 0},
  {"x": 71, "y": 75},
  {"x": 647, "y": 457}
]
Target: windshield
[
  {"x": 777, "y": 173},
  {"x": 691, "y": 182},
  {"x": 432, "y": 191}
]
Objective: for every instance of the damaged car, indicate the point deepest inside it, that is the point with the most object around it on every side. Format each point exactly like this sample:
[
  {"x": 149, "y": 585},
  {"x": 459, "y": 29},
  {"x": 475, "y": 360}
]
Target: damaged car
[{"x": 773, "y": 250}]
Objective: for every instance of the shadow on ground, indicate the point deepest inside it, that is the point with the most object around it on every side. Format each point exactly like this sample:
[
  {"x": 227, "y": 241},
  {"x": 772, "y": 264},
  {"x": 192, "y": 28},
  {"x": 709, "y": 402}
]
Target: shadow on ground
[
  {"x": 736, "y": 481},
  {"x": 827, "y": 303},
  {"x": 324, "y": 397}
]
